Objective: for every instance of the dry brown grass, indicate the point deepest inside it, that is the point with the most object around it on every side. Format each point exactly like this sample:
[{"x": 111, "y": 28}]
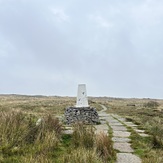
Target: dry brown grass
[
  {"x": 36, "y": 105},
  {"x": 20, "y": 137},
  {"x": 33, "y": 143},
  {"x": 81, "y": 155},
  {"x": 104, "y": 147},
  {"x": 83, "y": 136},
  {"x": 150, "y": 118},
  {"x": 23, "y": 141}
]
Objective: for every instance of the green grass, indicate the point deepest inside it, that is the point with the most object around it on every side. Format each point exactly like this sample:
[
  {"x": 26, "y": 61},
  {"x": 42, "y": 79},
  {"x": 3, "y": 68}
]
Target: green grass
[
  {"x": 144, "y": 148},
  {"x": 85, "y": 146},
  {"x": 23, "y": 141},
  {"x": 150, "y": 149}
]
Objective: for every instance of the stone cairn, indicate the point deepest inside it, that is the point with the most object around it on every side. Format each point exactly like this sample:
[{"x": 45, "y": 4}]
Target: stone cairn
[
  {"x": 82, "y": 112},
  {"x": 86, "y": 115}
]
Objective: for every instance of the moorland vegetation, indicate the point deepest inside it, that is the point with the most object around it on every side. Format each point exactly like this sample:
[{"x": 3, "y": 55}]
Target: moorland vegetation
[{"x": 22, "y": 140}]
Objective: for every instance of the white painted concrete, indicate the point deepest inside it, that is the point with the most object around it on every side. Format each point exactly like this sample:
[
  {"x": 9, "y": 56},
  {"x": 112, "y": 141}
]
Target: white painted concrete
[{"x": 82, "y": 100}]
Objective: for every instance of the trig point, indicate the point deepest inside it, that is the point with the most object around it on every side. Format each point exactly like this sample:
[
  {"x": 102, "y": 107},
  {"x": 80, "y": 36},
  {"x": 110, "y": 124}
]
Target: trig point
[
  {"x": 82, "y": 100},
  {"x": 81, "y": 112}
]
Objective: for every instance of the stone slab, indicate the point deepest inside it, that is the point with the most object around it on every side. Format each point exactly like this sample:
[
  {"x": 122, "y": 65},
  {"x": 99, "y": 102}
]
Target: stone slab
[
  {"x": 130, "y": 124},
  {"x": 68, "y": 132},
  {"x": 119, "y": 128},
  {"x": 143, "y": 135},
  {"x": 123, "y": 134},
  {"x": 127, "y": 158},
  {"x": 123, "y": 147},
  {"x": 134, "y": 127},
  {"x": 112, "y": 120},
  {"x": 116, "y": 124},
  {"x": 119, "y": 118},
  {"x": 122, "y": 140},
  {"x": 139, "y": 131},
  {"x": 103, "y": 115},
  {"x": 102, "y": 127},
  {"x": 107, "y": 117},
  {"x": 67, "y": 128},
  {"x": 102, "y": 121},
  {"x": 122, "y": 119}
]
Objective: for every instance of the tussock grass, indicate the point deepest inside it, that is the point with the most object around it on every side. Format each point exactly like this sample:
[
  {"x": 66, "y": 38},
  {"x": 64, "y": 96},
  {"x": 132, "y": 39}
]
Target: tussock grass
[
  {"x": 24, "y": 140},
  {"x": 81, "y": 155},
  {"x": 104, "y": 147},
  {"x": 83, "y": 136},
  {"x": 148, "y": 115},
  {"x": 20, "y": 137},
  {"x": 153, "y": 156}
]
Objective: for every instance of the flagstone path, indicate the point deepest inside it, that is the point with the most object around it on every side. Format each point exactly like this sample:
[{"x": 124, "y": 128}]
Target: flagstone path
[
  {"x": 120, "y": 135},
  {"x": 121, "y": 140}
]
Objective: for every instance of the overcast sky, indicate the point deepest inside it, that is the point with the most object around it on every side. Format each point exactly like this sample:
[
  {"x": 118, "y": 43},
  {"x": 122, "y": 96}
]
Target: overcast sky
[{"x": 115, "y": 47}]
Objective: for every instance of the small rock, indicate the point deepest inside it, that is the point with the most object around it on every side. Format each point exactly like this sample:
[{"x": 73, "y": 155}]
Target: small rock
[{"x": 39, "y": 121}]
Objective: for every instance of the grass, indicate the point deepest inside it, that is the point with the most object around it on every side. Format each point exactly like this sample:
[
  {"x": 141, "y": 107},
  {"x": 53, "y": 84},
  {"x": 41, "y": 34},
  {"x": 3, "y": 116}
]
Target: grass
[
  {"x": 148, "y": 116},
  {"x": 88, "y": 147},
  {"x": 29, "y": 132},
  {"x": 144, "y": 147},
  {"x": 21, "y": 140},
  {"x": 81, "y": 155},
  {"x": 83, "y": 136},
  {"x": 104, "y": 147}
]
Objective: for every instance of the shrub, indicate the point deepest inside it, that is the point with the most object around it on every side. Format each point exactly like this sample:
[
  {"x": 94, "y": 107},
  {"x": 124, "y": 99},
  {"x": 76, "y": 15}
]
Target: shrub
[
  {"x": 13, "y": 128},
  {"x": 151, "y": 104},
  {"x": 153, "y": 157},
  {"x": 157, "y": 133},
  {"x": 47, "y": 124},
  {"x": 19, "y": 135},
  {"x": 53, "y": 124},
  {"x": 104, "y": 147},
  {"x": 83, "y": 136},
  {"x": 81, "y": 155}
]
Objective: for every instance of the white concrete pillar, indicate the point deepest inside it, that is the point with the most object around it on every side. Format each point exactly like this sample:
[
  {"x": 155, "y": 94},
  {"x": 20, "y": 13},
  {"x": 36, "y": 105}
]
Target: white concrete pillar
[{"x": 82, "y": 100}]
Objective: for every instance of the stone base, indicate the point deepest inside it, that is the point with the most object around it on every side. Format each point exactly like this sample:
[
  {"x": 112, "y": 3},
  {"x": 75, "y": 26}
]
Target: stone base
[{"x": 86, "y": 115}]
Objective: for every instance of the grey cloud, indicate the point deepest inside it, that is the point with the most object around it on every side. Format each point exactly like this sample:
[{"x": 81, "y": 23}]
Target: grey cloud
[{"x": 114, "y": 47}]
